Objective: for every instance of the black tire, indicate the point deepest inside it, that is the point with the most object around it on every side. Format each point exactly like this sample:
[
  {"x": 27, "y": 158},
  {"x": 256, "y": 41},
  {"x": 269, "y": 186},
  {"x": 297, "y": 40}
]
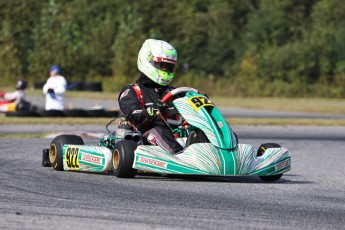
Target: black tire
[
  {"x": 95, "y": 112},
  {"x": 93, "y": 86},
  {"x": 74, "y": 113},
  {"x": 76, "y": 86},
  {"x": 50, "y": 113},
  {"x": 111, "y": 113},
  {"x": 55, "y": 149},
  {"x": 261, "y": 152},
  {"x": 123, "y": 157},
  {"x": 22, "y": 114}
]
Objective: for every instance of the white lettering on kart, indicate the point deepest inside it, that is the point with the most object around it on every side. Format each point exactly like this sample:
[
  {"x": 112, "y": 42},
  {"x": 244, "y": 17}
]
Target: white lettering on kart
[
  {"x": 149, "y": 161},
  {"x": 282, "y": 164},
  {"x": 92, "y": 159}
]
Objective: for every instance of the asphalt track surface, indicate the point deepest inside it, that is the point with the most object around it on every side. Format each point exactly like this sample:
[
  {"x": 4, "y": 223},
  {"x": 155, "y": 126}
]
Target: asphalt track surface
[{"x": 310, "y": 196}]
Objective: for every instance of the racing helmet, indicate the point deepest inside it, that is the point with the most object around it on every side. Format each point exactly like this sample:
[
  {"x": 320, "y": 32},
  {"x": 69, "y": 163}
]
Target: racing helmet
[
  {"x": 55, "y": 68},
  {"x": 157, "y": 60},
  {"x": 21, "y": 84}
]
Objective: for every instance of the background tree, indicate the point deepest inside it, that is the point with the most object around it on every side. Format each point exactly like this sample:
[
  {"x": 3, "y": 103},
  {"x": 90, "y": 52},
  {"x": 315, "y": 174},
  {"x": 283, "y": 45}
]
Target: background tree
[{"x": 237, "y": 47}]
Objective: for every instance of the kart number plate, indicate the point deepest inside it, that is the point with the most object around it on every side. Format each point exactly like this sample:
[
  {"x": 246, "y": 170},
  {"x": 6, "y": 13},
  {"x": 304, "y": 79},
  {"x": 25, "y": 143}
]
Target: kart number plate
[
  {"x": 71, "y": 156},
  {"x": 198, "y": 102}
]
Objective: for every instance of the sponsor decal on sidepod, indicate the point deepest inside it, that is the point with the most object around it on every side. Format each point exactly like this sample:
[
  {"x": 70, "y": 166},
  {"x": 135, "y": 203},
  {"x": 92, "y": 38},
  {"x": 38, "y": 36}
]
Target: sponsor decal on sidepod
[
  {"x": 91, "y": 159},
  {"x": 282, "y": 164},
  {"x": 149, "y": 161}
]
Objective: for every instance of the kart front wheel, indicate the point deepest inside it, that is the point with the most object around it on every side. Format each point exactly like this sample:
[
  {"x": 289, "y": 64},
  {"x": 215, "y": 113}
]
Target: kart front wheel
[
  {"x": 261, "y": 152},
  {"x": 123, "y": 157},
  {"x": 56, "y": 148}
]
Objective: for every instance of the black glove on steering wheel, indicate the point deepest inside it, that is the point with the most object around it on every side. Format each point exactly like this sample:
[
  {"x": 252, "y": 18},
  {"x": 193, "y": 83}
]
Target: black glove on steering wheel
[{"x": 162, "y": 106}]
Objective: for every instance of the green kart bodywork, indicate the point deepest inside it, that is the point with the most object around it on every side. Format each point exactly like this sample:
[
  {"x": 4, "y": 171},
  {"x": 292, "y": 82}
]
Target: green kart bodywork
[
  {"x": 86, "y": 158},
  {"x": 220, "y": 155}
]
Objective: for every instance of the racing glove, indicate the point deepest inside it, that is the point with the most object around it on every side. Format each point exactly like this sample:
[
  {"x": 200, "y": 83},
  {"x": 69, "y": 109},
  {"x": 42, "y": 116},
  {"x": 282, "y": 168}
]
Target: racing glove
[
  {"x": 50, "y": 90},
  {"x": 51, "y": 93},
  {"x": 166, "y": 109},
  {"x": 162, "y": 106},
  {"x": 150, "y": 113}
]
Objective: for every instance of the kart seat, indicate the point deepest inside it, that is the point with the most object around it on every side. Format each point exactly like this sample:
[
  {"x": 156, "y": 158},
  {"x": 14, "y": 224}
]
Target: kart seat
[
  {"x": 191, "y": 139},
  {"x": 196, "y": 137}
]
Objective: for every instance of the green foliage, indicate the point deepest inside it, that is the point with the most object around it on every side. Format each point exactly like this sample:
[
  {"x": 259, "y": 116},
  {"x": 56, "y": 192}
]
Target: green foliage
[
  {"x": 295, "y": 47},
  {"x": 58, "y": 40},
  {"x": 9, "y": 57},
  {"x": 16, "y": 20},
  {"x": 238, "y": 47},
  {"x": 127, "y": 41}
]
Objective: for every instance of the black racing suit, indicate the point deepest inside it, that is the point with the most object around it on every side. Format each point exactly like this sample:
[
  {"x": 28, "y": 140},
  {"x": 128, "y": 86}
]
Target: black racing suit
[{"x": 134, "y": 100}]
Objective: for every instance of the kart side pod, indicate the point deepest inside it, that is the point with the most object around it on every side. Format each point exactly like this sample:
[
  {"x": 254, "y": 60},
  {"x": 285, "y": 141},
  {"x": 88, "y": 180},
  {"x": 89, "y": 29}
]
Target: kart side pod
[
  {"x": 78, "y": 158},
  {"x": 86, "y": 158}
]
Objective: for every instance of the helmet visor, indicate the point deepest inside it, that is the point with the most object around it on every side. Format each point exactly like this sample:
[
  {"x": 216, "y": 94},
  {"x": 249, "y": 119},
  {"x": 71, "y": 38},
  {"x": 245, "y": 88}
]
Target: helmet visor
[{"x": 165, "y": 66}]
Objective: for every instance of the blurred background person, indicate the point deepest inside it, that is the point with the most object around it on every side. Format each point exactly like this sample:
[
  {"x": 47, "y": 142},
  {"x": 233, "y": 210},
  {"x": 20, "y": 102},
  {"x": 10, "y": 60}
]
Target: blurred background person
[
  {"x": 16, "y": 96},
  {"x": 54, "y": 89},
  {"x": 11, "y": 101}
]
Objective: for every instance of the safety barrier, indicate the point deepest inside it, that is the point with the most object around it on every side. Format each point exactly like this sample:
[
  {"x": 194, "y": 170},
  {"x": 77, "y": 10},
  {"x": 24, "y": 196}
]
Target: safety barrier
[
  {"x": 65, "y": 113},
  {"x": 76, "y": 86}
]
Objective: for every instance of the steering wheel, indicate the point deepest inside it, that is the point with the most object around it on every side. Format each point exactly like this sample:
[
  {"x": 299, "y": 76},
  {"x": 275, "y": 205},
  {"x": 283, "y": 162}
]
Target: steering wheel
[
  {"x": 172, "y": 93},
  {"x": 170, "y": 96}
]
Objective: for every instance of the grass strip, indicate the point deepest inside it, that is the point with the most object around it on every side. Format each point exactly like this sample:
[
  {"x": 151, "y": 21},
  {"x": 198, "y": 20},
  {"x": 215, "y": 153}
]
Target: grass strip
[
  {"x": 282, "y": 121},
  {"x": 310, "y": 105}
]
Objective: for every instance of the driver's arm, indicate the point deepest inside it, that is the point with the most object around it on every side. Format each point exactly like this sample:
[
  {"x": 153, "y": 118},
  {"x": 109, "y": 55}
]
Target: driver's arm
[
  {"x": 11, "y": 96},
  {"x": 130, "y": 105}
]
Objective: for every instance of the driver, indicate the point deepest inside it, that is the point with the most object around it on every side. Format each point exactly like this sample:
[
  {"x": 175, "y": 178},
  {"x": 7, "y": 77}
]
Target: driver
[
  {"x": 141, "y": 101},
  {"x": 16, "y": 96}
]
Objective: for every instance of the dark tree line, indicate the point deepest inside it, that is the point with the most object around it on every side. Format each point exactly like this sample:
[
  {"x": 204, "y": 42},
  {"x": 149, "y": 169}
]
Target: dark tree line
[{"x": 238, "y": 47}]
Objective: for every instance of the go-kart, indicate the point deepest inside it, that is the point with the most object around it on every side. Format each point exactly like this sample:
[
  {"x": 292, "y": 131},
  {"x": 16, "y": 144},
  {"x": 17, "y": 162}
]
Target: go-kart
[
  {"x": 210, "y": 147},
  {"x": 6, "y": 106}
]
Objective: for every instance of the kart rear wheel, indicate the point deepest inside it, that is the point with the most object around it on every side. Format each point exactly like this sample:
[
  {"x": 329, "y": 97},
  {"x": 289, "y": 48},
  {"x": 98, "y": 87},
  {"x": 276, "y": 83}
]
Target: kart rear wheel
[
  {"x": 261, "y": 152},
  {"x": 56, "y": 147},
  {"x": 123, "y": 157}
]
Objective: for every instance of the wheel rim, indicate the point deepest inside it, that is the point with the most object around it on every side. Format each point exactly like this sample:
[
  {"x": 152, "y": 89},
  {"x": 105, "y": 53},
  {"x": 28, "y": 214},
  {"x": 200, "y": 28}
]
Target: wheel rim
[
  {"x": 52, "y": 153},
  {"x": 116, "y": 159}
]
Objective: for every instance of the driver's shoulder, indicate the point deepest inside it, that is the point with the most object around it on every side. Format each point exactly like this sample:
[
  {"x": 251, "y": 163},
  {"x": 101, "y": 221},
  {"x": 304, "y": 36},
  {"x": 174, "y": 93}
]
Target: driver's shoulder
[{"x": 127, "y": 90}]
